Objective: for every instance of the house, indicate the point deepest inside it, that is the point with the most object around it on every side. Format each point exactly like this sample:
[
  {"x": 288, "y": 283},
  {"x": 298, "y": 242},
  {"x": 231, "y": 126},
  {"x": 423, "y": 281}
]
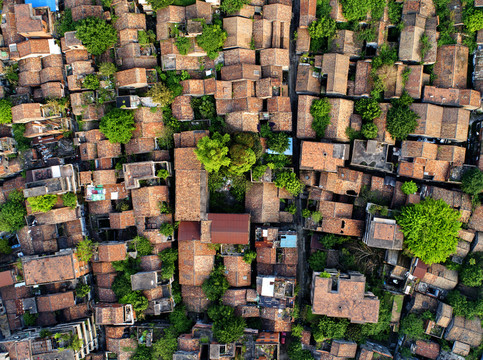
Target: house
[
  {"x": 131, "y": 78},
  {"x": 371, "y": 154},
  {"x": 55, "y": 302},
  {"x": 305, "y": 118},
  {"x": 465, "y": 331},
  {"x": 60, "y": 267},
  {"x": 26, "y": 112},
  {"x": 344, "y": 296},
  {"x": 344, "y": 182},
  {"x": 441, "y": 277},
  {"x": 362, "y": 85},
  {"x": 238, "y": 272},
  {"x": 415, "y": 26},
  {"x": 451, "y": 66},
  {"x": 444, "y": 314},
  {"x": 146, "y": 170},
  {"x": 307, "y": 12},
  {"x": 308, "y": 81},
  {"x": 37, "y": 47},
  {"x": 35, "y": 22},
  {"x": 239, "y": 32},
  {"x": 262, "y": 201},
  {"x": 430, "y": 119},
  {"x": 343, "y": 349},
  {"x": 229, "y": 228},
  {"x": 303, "y": 41},
  {"x": 383, "y": 233},
  {"x": 340, "y": 113},
  {"x": 427, "y": 349},
  {"x": 114, "y": 314},
  {"x": 336, "y": 67},
  {"x": 346, "y": 42},
  {"x": 467, "y": 98},
  {"x": 146, "y": 200},
  {"x": 241, "y": 72},
  {"x": 323, "y": 156},
  {"x": 111, "y": 251},
  {"x": 276, "y": 57},
  {"x": 56, "y": 180}
]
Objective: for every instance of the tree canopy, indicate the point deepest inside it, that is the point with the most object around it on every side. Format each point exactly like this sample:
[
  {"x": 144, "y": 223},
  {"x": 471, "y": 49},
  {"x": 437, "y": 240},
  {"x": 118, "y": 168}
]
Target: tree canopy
[
  {"x": 289, "y": 181},
  {"x": 412, "y": 325},
  {"x": 96, "y": 34},
  {"x": 369, "y": 130},
  {"x": 212, "y": 39},
  {"x": 85, "y": 249},
  {"x": 212, "y": 152},
  {"x": 160, "y": 94},
  {"x": 401, "y": 120},
  {"x": 227, "y": 327},
  {"x": 409, "y": 187},
  {"x": 330, "y": 328},
  {"x": 368, "y": 109},
  {"x": 472, "y": 272},
  {"x": 159, "y": 4},
  {"x": 320, "y": 110},
  {"x": 12, "y": 212},
  {"x": 472, "y": 181},
  {"x": 242, "y": 159},
  {"x": 216, "y": 285},
  {"x": 69, "y": 199},
  {"x": 430, "y": 230},
  {"x": 42, "y": 203},
  {"x": 322, "y": 28},
  {"x": 232, "y": 6},
  {"x": 118, "y": 125},
  {"x": 5, "y": 111}
]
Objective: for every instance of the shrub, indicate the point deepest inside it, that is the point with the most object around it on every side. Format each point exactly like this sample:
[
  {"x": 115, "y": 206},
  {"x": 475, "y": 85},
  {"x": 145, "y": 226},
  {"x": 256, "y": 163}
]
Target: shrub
[
  {"x": 5, "y": 248},
  {"x": 30, "y": 319},
  {"x": 143, "y": 246},
  {"x": 179, "y": 319},
  {"x": 85, "y": 249},
  {"x": 318, "y": 261},
  {"x": 328, "y": 241},
  {"x": 232, "y": 6},
  {"x": 306, "y": 213},
  {"x": 258, "y": 171},
  {"x": 322, "y": 28},
  {"x": 107, "y": 69},
  {"x": 167, "y": 229},
  {"x": 212, "y": 39},
  {"x": 320, "y": 110},
  {"x": 472, "y": 181},
  {"x": 212, "y": 152},
  {"x": 473, "y": 19},
  {"x": 401, "y": 120},
  {"x": 409, "y": 187},
  {"x": 12, "y": 212},
  {"x": 168, "y": 259},
  {"x": 249, "y": 256},
  {"x": 70, "y": 200},
  {"x": 82, "y": 290},
  {"x": 472, "y": 273},
  {"x": 183, "y": 44},
  {"x": 65, "y": 24},
  {"x": 412, "y": 326},
  {"x": 96, "y": 35},
  {"x": 430, "y": 230},
  {"x": 162, "y": 174},
  {"x": 290, "y": 182},
  {"x": 316, "y": 217},
  {"x": 146, "y": 37},
  {"x": 227, "y": 327},
  {"x": 118, "y": 125},
  {"x": 369, "y": 131},
  {"x": 216, "y": 285},
  {"x": 330, "y": 328},
  {"x": 164, "y": 208},
  {"x": 91, "y": 82},
  {"x": 160, "y": 94},
  {"x": 138, "y": 301},
  {"x": 5, "y": 111},
  {"x": 296, "y": 352},
  {"x": 368, "y": 109},
  {"x": 159, "y": 4},
  {"x": 42, "y": 203}
]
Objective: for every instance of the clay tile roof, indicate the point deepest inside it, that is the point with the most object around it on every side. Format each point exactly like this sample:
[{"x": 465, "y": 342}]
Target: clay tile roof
[
  {"x": 29, "y": 78},
  {"x": 194, "y": 298},
  {"x": 145, "y": 200},
  {"x": 238, "y": 272},
  {"x": 230, "y": 228},
  {"x": 132, "y": 77},
  {"x": 182, "y": 109},
  {"x": 49, "y": 269},
  {"x": 26, "y": 112},
  {"x": 262, "y": 203},
  {"x": 131, "y": 21},
  {"x": 451, "y": 66},
  {"x": 189, "y": 139},
  {"x": 322, "y": 156},
  {"x": 195, "y": 261},
  {"x": 54, "y": 60},
  {"x": 51, "y": 74},
  {"x": 54, "y": 302},
  {"x": 30, "y": 64},
  {"x": 106, "y": 149},
  {"x": 122, "y": 220},
  {"x": 104, "y": 177},
  {"x": 242, "y": 121},
  {"x": 76, "y": 55},
  {"x": 428, "y": 350},
  {"x": 234, "y": 297},
  {"x": 33, "y": 47},
  {"x": 109, "y": 252},
  {"x": 109, "y": 314},
  {"x": 343, "y": 349}
]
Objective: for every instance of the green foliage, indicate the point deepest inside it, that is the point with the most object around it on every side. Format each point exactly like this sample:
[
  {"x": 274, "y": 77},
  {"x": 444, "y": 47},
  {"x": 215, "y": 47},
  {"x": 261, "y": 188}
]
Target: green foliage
[
  {"x": 118, "y": 125},
  {"x": 278, "y": 142},
  {"x": 85, "y": 249},
  {"x": 212, "y": 152},
  {"x": 472, "y": 18},
  {"x": 306, "y": 213},
  {"x": 181, "y": 323},
  {"x": 368, "y": 109},
  {"x": 82, "y": 290},
  {"x": 232, "y": 6},
  {"x": 413, "y": 326},
  {"x": 316, "y": 217},
  {"x": 159, "y": 4},
  {"x": 42, "y": 203},
  {"x": 401, "y": 120},
  {"x": 138, "y": 301},
  {"x": 70, "y": 200},
  {"x": 295, "y": 352},
  {"x": 289, "y": 181},
  {"x": 328, "y": 241},
  {"x": 168, "y": 259},
  {"x": 258, "y": 171},
  {"x": 165, "y": 347},
  {"x": 162, "y": 174},
  {"x": 91, "y": 82},
  {"x": 216, "y": 285},
  {"x": 322, "y": 28},
  {"x": 227, "y": 327},
  {"x": 167, "y": 229},
  {"x": 204, "y": 107},
  {"x": 65, "y": 24},
  {"x": 143, "y": 246},
  {"x": 142, "y": 353},
  {"x": 472, "y": 272},
  {"x": 96, "y": 35},
  {"x": 387, "y": 56},
  {"x": 183, "y": 44},
  {"x": 369, "y": 130},
  {"x": 5, "y": 111},
  {"x": 172, "y": 81},
  {"x": 292, "y": 209},
  {"x": 320, "y": 110},
  {"x": 160, "y": 94},
  {"x": 430, "y": 230},
  {"x": 318, "y": 261},
  {"x": 472, "y": 181},
  {"x": 424, "y": 46},
  {"x": 297, "y": 330},
  {"x": 330, "y": 328},
  {"x": 30, "y": 319},
  {"x": 249, "y": 256},
  {"x": 212, "y": 39},
  {"x": 5, "y": 248},
  {"x": 409, "y": 187},
  {"x": 107, "y": 69},
  {"x": 146, "y": 37},
  {"x": 394, "y": 11},
  {"x": 276, "y": 161}
]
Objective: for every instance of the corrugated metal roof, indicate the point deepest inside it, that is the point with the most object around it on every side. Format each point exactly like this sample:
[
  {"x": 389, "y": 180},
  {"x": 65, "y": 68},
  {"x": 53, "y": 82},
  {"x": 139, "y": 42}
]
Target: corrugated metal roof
[{"x": 230, "y": 228}]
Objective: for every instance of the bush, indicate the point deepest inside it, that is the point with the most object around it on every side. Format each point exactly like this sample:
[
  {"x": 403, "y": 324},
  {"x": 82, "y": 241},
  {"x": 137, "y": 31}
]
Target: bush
[
  {"x": 430, "y": 230},
  {"x": 42, "y": 203},
  {"x": 162, "y": 174},
  {"x": 143, "y": 246},
  {"x": 159, "y": 4},
  {"x": 409, "y": 187},
  {"x": 320, "y": 111},
  {"x": 70, "y": 200},
  {"x": 412, "y": 326},
  {"x": 85, "y": 249},
  {"x": 306, "y": 213},
  {"x": 183, "y": 44},
  {"x": 12, "y": 213},
  {"x": 330, "y": 328},
  {"x": 138, "y": 301},
  {"x": 82, "y": 290},
  {"x": 232, "y": 6},
  {"x": 96, "y": 35},
  {"x": 164, "y": 208},
  {"x": 118, "y": 125},
  {"x": 401, "y": 120},
  {"x": 30, "y": 319},
  {"x": 5, "y": 248},
  {"x": 167, "y": 229},
  {"x": 369, "y": 131},
  {"x": 179, "y": 319},
  {"x": 296, "y": 352},
  {"x": 249, "y": 256},
  {"x": 472, "y": 273},
  {"x": 107, "y": 69},
  {"x": 216, "y": 285},
  {"x": 473, "y": 19},
  {"x": 160, "y": 94},
  {"x": 5, "y": 111},
  {"x": 212, "y": 40},
  {"x": 290, "y": 182},
  {"x": 91, "y": 82},
  {"x": 168, "y": 259},
  {"x": 165, "y": 347},
  {"x": 368, "y": 109},
  {"x": 328, "y": 241},
  {"x": 472, "y": 181},
  {"x": 258, "y": 171},
  {"x": 322, "y": 28},
  {"x": 212, "y": 152},
  {"x": 227, "y": 327},
  {"x": 318, "y": 261}
]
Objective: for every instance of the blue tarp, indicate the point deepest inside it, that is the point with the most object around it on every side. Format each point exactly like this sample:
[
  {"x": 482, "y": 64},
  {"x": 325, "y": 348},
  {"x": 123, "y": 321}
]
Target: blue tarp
[
  {"x": 288, "y": 241},
  {"x": 52, "y": 4}
]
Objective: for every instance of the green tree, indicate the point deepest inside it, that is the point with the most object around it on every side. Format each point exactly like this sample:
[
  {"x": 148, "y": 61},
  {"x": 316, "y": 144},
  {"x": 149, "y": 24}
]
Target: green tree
[
  {"x": 330, "y": 328},
  {"x": 167, "y": 229},
  {"x": 13, "y": 212},
  {"x": 30, "y": 319},
  {"x": 82, "y": 290},
  {"x": 117, "y": 125},
  {"x": 472, "y": 273},
  {"x": 96, "y": 35},
  {"x": 5, "y": 248},
  {"x": 227, "y": 327},
  {"x": 328, "y": 241},
  {"x": 355, "y": 9},
  {"x": 409, "y": 187},
  {"x": 91, "y": 82},
  {"x": 249, "y": 256},
  {"x": 472, "y": 181},
  {"x": 369, "y": 130},
  {"x": 42, "y": 203},
  {"x": 290, "y": 182},
  {"x": 297, "y": 330},
  {"x": 413, "y": 326},
  {"x": 212, "y": 40},
  {"x": 430, "y": 230},
  {"x": 168, "y": 259},
  {"x": 318, "y": 260},
  {"x": 70, "y": 200},
  {"x": 232, "y": 6},
  {"x": 296, "y": 352},
  {"x": 322, "y": 28},
  {"x": 138, "y": 301},
  {"x": 85, "y": 249},
  {"x": 473, "y": 19},
  {"x": 179, "y": 320},
  {"x": 320, "y": 111},
  {"x": 143, "y": 246},
  {"x": 368, "y": 109},
  {"x": 241, "y": 159},
  {"x": 142, "y": 353},
  {"x": 401, "y": 120},
  {"x": 65, "y": 24},
  {"x": 5, "y": 111},
  {"x": 212, "y": 152},
  {"x": 107, "y": 69},
  {"x": 160, "y": 94},
  {"x": 183, "y": 44},
  {"x": 216, "y": 285},
  {"x": 165, "y": 347},
  {"x": 278, "y": 142}
]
